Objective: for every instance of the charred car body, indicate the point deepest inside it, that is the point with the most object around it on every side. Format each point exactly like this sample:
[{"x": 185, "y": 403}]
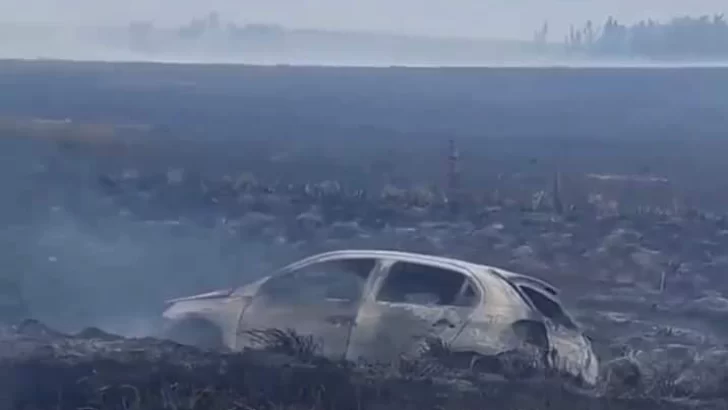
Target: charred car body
[{"x": 378, "y": 305}]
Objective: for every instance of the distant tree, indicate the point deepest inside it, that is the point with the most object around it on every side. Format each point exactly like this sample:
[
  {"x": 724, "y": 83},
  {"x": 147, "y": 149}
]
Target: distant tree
[
  {"x": 193, "y": 30},
  {"x": 682, "y": 37},
  {"x": 540, "y": 36},
  {"x": 213, "y": 21},
  {"x": 589, "y": 34},
  {"x": 139, "y": 34}
]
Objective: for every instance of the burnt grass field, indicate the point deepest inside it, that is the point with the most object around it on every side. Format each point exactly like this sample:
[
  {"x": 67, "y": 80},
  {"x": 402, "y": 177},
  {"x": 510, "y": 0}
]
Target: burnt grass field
[{"x": 128, "y": 184}]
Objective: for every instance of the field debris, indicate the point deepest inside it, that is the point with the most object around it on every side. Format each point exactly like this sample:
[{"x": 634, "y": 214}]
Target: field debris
[
  {"x": 629, "y": 178},
  {"x": 645, "y": 279},
  {"x": 93, "y": 369}
]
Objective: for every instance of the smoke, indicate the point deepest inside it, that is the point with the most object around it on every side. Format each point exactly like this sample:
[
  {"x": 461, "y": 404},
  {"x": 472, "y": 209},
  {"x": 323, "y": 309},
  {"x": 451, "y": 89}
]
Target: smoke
[{"x": 81, "y": 262}]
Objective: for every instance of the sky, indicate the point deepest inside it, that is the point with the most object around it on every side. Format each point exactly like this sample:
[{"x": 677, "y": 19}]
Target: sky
[{"x": 460, "y": 18}]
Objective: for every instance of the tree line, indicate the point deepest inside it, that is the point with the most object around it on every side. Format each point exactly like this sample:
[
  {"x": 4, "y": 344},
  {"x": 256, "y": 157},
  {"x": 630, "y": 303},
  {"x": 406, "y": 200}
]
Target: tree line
[
  {"x": 703, "y": 37},
  {"x": 688, "y": 38}
]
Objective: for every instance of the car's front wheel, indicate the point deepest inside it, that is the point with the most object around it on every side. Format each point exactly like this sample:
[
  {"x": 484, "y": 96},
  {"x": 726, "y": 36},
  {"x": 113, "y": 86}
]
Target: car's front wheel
[{"x": 195, "y": 332}]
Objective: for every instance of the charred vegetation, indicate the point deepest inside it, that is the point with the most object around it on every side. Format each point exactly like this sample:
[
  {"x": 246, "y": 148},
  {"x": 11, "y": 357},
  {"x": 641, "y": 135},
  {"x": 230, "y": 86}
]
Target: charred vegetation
[
  {"x": 582, "y": 186},
  {"x": 48, "y": 369}
]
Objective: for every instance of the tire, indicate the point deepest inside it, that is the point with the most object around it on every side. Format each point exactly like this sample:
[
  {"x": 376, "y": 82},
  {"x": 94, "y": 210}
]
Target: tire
[{"x": 199, "y": 333}]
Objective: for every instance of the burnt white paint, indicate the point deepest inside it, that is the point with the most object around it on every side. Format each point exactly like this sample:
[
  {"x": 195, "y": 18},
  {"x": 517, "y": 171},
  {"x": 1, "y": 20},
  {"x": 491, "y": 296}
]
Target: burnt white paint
[{"x": 381, "y": 331}]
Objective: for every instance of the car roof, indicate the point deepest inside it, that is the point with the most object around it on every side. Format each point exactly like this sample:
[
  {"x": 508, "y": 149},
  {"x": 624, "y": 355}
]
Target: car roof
[{"x": 475, "y": 268}]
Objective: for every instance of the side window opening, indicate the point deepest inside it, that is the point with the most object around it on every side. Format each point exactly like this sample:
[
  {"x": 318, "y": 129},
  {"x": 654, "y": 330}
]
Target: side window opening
[
  {"x": 548, "y": 307},
  {"x": 427, "y": 285},
  {"x": 469, "y": 296},
  {"x": 340, "y": 280}
]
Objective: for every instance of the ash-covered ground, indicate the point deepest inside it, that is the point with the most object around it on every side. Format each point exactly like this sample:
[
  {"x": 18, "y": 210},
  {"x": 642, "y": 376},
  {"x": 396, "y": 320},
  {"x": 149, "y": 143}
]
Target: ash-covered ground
[
  {"x": 128, "y": 184},
  {"x": 97, "y": 243}
]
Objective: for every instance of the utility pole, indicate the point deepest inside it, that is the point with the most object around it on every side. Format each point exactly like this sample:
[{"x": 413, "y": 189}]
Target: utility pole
[
  {"x": 557, "y": 204},
  {"x": 453, "y": 177}
]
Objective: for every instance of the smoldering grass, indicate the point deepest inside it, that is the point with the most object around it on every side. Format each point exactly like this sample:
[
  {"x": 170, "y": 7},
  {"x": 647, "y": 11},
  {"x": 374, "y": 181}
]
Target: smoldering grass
[{"x": 286, "y": 341}]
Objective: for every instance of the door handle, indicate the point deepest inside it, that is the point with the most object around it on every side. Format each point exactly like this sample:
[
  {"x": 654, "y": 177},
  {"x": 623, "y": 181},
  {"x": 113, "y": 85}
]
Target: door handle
[
  {"x": 340, "y": 320},
  {"x": 443, "y": 322}
]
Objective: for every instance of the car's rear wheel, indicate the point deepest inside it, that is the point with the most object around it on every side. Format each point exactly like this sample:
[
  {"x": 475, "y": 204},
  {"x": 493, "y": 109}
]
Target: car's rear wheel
[{"x": 195, "y": 332}]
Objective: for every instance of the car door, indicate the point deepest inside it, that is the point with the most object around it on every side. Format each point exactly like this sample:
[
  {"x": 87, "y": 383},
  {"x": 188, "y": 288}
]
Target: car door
[
  {"x": 319, "y": 300},
  {"x": 410, "y": 303}
]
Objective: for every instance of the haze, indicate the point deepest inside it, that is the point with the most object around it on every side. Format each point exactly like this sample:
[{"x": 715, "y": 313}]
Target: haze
[
  {"x": 471, "y": 18},
  {"x": 366, "y": 33}
]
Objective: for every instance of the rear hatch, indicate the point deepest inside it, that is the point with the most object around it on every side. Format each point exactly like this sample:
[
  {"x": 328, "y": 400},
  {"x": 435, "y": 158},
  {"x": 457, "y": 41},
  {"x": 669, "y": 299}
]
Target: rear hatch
[
  {"x": 575, "y": 354},
  {"x": 545, "y": 300}
]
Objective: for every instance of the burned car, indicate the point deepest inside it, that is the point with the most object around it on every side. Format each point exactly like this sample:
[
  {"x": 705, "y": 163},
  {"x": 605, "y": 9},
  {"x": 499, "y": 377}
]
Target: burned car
[{"x": 379, "y": 305}]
